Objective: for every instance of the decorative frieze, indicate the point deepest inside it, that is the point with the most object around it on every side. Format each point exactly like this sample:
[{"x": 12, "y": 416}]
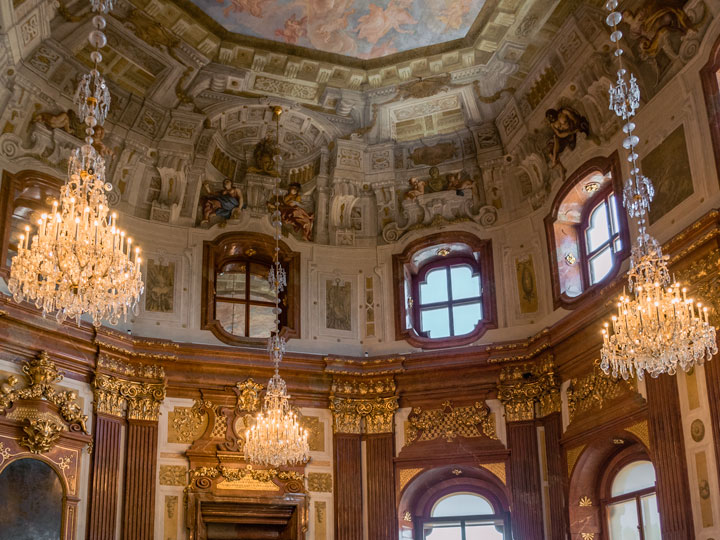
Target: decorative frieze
[
  {"x": 363, "y": 415},
  {"x": 529, "y": 391},
  {"x": 450, "y": 422},
  {"x": 594, "y": 390}
]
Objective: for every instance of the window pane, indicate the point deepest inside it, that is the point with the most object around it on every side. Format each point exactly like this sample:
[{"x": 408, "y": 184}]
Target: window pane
[
  {"x": 442, "y": 531},
  {"x": 435, "y": 287},
  {"x": 618, "y": 244},
  {"x": 231, "y": 317},
  {"x": 488, "y": 530},
  {"x": 624, "y": 521},
  {"x": 600, "y": 265},
  {"x": 259, "y": 286},
  {"x": 465, "y": 318},
  {"x": 633, "y": 477},
  {"x": 464, "y": 284},
  {"x": 231, "y": 283},
  {"x": 651, "y": 517},
  {"x": 462, "y": 504},
  {"x": 436, "y": 322},
  {"x": 614, "y": 214},
  {"x": 598, "y": 231},
  {"x": 261, "y": 321}
]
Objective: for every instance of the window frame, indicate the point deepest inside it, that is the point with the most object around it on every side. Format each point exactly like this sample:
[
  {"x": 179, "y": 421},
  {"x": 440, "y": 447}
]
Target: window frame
[
  {"x": 627, "y": 457},
  {"x": 601, "y": 196},
  {"x": 420, "y": 278},
  {"x": 603, "y": 165},
  {"x": 245, "y": 247},
  {"x": 480, "y": 250}
]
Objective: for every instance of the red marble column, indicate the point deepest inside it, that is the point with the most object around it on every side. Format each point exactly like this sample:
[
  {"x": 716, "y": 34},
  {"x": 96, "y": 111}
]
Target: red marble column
[
  {"x": 380, "y": 451},
  {"x": 557, "y": 478},
  {"x": 668, "y": 455},
  {"x": 348, "y": 487},
  {"x": 107, "y": 453},
  {"x": 140, "y": 467},
  {"x": 712, "y": 380},
  {"x": 525, "y": 485}
]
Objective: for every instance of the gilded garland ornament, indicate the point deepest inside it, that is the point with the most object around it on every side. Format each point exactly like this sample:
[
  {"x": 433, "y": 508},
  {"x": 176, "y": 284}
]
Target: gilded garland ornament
[
  {"x": 657, "y": 328},
  {"x": 78, "y": 261}
]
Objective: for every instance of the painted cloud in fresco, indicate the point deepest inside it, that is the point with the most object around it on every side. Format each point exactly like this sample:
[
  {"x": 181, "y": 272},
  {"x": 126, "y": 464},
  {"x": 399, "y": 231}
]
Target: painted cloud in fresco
[{"x": 361, "y": 28}]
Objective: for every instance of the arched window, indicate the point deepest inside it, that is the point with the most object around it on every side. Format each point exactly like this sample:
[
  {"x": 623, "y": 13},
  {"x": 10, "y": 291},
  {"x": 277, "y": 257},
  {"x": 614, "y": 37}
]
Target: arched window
[
  {"x": 631, "y": 504},
  {"x": 464, "y": 516},
  {"x": 237, "y": 301},
  {"x": 587, "y": 231},
  {"x": 447, "y": 295}
]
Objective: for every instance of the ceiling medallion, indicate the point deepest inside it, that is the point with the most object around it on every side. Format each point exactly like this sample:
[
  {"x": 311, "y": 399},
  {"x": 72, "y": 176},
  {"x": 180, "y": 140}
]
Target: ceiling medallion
[
  {"x": 276, "y": 439},
  {"x": 657, "y": 328},
  {"x": 79, "y": 261}
]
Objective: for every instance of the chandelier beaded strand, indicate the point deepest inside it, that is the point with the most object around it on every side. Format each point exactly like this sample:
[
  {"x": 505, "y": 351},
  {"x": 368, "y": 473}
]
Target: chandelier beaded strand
[
  {"x": 79, "y": 261},
  {"x": 276, "y": 439},
  {"x": 657, "y": 328}
]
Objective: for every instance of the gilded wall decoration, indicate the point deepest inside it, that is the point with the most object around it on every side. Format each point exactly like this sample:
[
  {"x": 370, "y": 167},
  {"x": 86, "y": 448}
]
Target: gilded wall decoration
[
  {"x": 363, "y": 386},
  {"x": 248, "y": 395},
  {"x": 668, "y": 166},
  {"x": 641, "y": 431},
  {"x": 119, "y": 397},
  {"x": 320, "y": 482},
  {"x": 527, "y": 286},
  {"x": 498, "y": 469},
  {"x": 529, "y": 391},
  {"x": 160, "y": 286},
  {"x": 405, "y": 475},
  {"x": 338, "y": 304},
  {"x": 704, "y": 277},
  {"x": 701, "y": 468},
  {"x": 572, "y": 456},
  {"x": 58, "y": 411},
  {"x": 170, "y": 523},
  {"x": 186, "y": 424},
  {"x": 585, "y": 501},
  {"x": 450, "y": 422},
  {"x": 173, "y": 475},
  {"x": 294, "y": 482},
  {"x": 320, "y": 520},
  {"x": 147, "y": 371},
  {"x": 316, "y": 432},
  {"x": 363, "y": 415},
  {"x": 697, "y": 430},
  {"x": 594, "y": 390}
]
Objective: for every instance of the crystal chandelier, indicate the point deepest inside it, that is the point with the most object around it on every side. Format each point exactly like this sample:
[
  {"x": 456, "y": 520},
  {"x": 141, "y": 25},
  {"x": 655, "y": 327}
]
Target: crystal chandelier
[
  {"x": 79, "y": 261},
  {"x": 276, "y": 439},
  {"x": 657, "y": 328}
]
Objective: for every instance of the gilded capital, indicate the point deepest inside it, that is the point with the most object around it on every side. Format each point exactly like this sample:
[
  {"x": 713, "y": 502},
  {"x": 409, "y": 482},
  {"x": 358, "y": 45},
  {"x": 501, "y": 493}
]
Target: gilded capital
[
  {"x": 529, "y": 391},
  {"x": 352, "y": 415},
  {"x": 132, "y": 399}
]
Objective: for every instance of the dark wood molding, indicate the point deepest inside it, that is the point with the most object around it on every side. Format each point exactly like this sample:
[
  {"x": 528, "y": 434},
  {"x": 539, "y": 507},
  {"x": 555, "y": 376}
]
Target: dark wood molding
[
  {"x": 248, "y": 247},
  {"x": 107, "y": 456},
  {"x": 712, "y": 380},
  {"x": 557, "y": 477},
  {"x": 667, "y": 450},
  {"x": 481, "y": 251},
  {"x": 380, "y": 450},
  {"x": 348, "y": 490},
  {"x": 140, "y": 480},
  {"x": 603, "y": 165}
]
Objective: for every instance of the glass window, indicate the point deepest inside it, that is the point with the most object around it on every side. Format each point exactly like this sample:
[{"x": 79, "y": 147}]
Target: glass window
[
  {"x": 463, "y": 516},
  {"x": 450, "y": 300},
  {"x": 244, "y": 300},
  {"x": 462, "y": 504},
  {"x": 602, "y": 239},
  {"x": 632, "y": 509}
]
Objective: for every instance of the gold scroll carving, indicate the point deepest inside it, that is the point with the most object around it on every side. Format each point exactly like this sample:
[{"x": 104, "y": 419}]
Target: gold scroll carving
[
  {"x": 320, "y": 482},
  {"x": 294, "y": 482},
  {"x": 173, "y": 475},
  {"x": 450, "y": 422},
  {"x": 594, "y": 390},
  {"x": 363, "y": 415},
  {"x": 45, "y": 410},
  {"x": 120, "y": 397},
  {"x": 529, "y": 391}
]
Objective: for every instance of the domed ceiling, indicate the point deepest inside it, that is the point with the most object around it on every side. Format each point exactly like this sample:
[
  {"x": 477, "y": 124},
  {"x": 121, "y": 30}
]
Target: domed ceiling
[{"x": 348, "y": 27}]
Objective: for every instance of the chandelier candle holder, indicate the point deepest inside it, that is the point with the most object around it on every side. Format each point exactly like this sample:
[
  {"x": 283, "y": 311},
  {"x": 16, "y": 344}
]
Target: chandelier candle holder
[
  {"x": 79, "y": 261},
  {"x": 657, "y": 328},
  {"x": 277, "y": 439}
]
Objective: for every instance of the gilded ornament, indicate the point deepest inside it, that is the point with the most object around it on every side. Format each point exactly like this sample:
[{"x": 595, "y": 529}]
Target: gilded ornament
[
  {"x": 529, "y": 391},
  {"x": 363, "y": 415},
  {"x": 147, "y": 371},
  {"x": 572, "y": 456},
  {"x": 41, "y": 375},
  {"x": 585, "y": 501},
  {"x": 320, "y": 482},
  {"x": 248, "y": 396},
  {"x": 186, "y": 423},
  {"x": 588, "y": 536},
  {"x": 498, "y": 469},
  {"x": 640, "y": 430},
  {"x": 173, "y": 475},
  {"x": 697, "y": 430},
  {"x": 457, "y": 472},
  {"x": 594, "y": 390},
  {"x": 119, "y": 397},
  {"x": 405, "y": 475},
  {"x": 363, "y": 386},
  {"x": 202, "y": 476},
  {"x": 407, "y": 516},
  {"x": 41, "y": 435},
  {"x": 450, "y": 422}
]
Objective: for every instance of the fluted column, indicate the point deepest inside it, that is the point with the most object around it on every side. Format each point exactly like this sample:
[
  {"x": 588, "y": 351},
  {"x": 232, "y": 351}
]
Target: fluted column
[
  {"x": 557, "y": 478},
  {"x": 348, "y": 487},
  {"x": 712, "y": 382},
  {"x": 525, "y": 485},
  {"x": 107, "y": 455},
  {"x": 380, "y": 451},
  {"x": 141, "y": 465},
  {"x": 668, "y": 455}
]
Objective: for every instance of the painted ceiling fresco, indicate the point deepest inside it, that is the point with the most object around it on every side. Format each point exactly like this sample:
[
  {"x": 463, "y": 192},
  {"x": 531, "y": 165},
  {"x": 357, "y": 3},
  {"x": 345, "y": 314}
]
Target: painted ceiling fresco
[{"x": 349, "y": 27}]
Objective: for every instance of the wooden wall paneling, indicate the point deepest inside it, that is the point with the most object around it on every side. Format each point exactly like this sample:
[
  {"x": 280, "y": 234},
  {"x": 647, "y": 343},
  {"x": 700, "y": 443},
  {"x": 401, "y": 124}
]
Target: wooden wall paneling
[
  {"x": 107, "y": 453},
  {"x": 712, "y": 378},
  {"x": 668, "y": 456},
  {"x": 525, "y": 484},
  {"x": 380, "y": 450},
  {"x": 348, "y": 487},
  {"x": 140, "y": 469}
]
